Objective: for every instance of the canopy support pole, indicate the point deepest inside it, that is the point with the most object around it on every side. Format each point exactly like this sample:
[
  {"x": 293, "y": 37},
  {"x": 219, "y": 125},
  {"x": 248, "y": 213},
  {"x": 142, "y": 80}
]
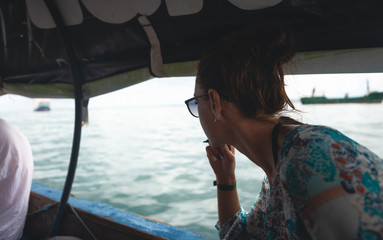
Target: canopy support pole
[
  {"x": 4, "y": 33},
  {"x": 156, "y": 62},
  {"x": 77, "y": 78}
]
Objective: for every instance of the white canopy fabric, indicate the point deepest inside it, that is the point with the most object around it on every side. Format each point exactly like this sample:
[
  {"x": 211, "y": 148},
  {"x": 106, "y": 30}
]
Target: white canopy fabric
[{"x": 121, "y": 11}]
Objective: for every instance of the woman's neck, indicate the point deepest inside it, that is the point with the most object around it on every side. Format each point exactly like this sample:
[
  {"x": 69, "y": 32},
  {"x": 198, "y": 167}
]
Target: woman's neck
[{"x": 253, "y": 139}]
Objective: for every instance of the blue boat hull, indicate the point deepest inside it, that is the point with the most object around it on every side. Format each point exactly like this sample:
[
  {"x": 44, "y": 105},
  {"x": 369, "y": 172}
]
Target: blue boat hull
[{"x": 84, "y": 219}]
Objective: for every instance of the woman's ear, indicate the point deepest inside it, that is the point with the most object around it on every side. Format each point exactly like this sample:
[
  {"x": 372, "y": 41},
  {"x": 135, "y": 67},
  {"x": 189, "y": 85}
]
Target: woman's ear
[{"x": 215, "y": 103}]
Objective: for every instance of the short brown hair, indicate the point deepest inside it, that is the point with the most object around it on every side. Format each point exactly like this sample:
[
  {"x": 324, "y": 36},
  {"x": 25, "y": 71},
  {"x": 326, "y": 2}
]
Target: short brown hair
[{"x": 246, "y": 68}]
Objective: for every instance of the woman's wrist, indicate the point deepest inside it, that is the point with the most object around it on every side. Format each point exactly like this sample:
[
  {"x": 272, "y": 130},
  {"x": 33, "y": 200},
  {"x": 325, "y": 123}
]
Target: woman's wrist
[
  {"x": 226, "y": 180},
  {"x": 225, "y": 187}
]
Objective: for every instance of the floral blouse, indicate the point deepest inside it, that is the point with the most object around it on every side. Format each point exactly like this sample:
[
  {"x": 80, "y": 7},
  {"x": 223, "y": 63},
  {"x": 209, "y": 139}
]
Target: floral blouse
[{"x": 327, "y": 186}]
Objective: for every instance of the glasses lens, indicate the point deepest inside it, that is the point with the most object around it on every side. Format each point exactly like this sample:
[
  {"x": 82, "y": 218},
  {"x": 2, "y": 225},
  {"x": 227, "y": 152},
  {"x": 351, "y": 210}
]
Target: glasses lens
[{"x": 193, "y": 107}]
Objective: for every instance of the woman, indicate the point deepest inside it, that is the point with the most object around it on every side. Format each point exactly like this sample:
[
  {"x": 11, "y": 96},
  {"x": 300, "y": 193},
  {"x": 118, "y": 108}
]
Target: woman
[{"x": 319, "y": 184}]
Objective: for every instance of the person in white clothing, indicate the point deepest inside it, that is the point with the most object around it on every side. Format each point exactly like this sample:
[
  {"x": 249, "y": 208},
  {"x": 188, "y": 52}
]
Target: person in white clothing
[{"x": 16, "y": 170}]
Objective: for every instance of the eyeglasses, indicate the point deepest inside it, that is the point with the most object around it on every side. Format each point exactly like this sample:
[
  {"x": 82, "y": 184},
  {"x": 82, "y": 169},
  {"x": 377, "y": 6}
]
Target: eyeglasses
[{"x": 192, "y": 105}]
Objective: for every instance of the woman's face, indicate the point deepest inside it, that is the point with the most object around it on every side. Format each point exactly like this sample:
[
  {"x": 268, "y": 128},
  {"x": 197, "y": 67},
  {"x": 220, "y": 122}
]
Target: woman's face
[{"x": 206, "y": 116}]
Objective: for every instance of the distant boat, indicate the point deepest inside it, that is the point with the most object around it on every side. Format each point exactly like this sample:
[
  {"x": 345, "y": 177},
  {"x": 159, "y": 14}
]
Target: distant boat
[
  {"x": 42, "y": 106},
  {"x": 370, "y": 97}
]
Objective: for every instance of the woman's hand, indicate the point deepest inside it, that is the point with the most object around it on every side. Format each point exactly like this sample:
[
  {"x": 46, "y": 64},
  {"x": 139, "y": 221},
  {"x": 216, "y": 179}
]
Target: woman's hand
[{"x": 222, "y": 160}]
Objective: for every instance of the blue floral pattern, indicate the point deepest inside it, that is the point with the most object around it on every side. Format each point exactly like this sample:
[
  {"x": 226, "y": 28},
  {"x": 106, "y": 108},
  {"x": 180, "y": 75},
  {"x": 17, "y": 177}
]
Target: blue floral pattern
[{"x": 319, "y": 169}]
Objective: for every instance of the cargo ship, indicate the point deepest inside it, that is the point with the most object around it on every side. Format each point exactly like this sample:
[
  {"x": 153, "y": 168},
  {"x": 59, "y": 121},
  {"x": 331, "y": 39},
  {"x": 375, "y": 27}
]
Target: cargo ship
[
  {"x": 370, "y": 97},
  {"x": 373, "y": 97}
]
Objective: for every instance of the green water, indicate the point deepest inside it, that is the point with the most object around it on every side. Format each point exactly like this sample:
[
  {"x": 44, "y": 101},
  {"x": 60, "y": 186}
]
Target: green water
[{"x": 151, "y": 160}]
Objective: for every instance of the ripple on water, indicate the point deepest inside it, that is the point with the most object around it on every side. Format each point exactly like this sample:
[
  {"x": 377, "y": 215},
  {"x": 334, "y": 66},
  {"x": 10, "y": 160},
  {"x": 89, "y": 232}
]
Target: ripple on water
[
  {"x": 142, "y": 178},
  {"x": 149, "y": 210}
]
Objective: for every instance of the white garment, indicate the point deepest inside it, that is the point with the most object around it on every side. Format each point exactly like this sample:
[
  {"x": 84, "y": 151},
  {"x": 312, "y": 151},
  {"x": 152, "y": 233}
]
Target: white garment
[{"x": 16, "y": 170}]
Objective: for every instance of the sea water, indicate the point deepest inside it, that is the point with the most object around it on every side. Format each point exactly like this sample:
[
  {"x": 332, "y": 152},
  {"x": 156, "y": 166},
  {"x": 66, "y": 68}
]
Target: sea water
[{"x": 151, "y": 160}]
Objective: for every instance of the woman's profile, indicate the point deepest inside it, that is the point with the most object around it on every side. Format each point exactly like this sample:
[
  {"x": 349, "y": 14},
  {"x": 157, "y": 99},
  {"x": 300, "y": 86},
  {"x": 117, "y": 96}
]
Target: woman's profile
[{"x": 319, "y": 183}]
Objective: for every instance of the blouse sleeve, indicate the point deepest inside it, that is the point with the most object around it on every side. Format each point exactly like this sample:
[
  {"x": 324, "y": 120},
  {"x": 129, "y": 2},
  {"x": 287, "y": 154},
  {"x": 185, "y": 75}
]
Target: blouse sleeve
[
  {"x": 234, "y": 228},
  {"x": 243, "y": 224}
]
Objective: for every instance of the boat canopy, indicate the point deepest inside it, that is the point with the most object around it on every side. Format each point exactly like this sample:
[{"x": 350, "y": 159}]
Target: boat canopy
[{"x": 112, "y": 44}]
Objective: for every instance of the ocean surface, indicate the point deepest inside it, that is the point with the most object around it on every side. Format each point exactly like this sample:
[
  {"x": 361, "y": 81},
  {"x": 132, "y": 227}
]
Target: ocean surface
[{"x": 151, "y": 160}]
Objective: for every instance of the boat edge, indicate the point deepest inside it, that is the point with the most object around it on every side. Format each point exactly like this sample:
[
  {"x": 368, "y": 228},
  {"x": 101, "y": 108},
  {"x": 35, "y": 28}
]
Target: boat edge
[{"x": 120, "y": 216}]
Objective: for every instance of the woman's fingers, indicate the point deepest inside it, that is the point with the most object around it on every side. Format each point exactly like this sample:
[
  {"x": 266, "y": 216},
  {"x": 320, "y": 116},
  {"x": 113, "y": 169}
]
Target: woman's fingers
[
  {"x": 232, "y": 149},
  {"x": 210, "y": 154},
  {"x": 221, "y": 159},
  {"x": 227, "y": 152},
  {"x": 215, "y": 163},
  {"x": 216, "y": 152}
]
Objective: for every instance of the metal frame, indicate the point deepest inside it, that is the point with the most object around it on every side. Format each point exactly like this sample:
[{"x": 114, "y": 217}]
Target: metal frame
[{"x": 75, "y": 67}]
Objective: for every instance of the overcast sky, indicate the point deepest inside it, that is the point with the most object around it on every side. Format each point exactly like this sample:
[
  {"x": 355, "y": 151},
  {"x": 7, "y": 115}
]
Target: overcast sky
[{"x": 176, "y": 90}]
